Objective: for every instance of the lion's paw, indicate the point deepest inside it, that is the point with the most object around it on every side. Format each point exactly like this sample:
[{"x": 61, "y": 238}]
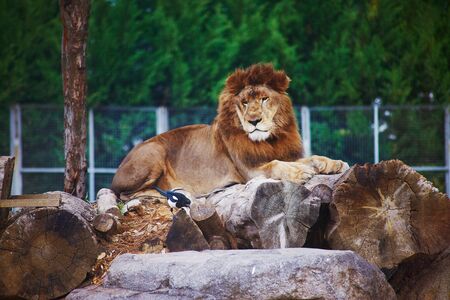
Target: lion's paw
[
  {"x": 293, "y": 171},
  {"x": 344, "y": 166},
  {"x": 325, "y": 165}
]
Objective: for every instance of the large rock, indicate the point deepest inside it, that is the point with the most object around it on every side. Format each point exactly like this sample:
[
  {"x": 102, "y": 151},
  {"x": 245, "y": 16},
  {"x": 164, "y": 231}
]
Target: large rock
[{"x": 295, "y": 273}]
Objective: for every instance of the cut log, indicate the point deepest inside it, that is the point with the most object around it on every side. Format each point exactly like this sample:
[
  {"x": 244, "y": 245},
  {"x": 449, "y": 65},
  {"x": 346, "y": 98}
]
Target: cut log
[
  {"x": 388, "y": 212},
  {"x": 423, "y": 277},
  {"x": 184, "y": 234},
  {"x": 205, "y": 216},
  {"x": 6, "y": 175},
  {"x": 107, "y": 202},
  {"x": 107, "y": 224},
  {"x": 46, "y": 252},
  {"x": 266, "y": 213}
]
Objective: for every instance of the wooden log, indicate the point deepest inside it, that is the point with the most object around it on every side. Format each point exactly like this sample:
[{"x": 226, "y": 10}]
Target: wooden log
[
  {"x": 266, "y": 213},
  {"x": 46, "y": 252},
  {"x": 184, "y": 234},
  {"x": 423, "y": 277},
  {"x": 388, "y": 212},
  {"x": 205, "y": 216},
  {"x": 107, "y": 202},
  {"x": 6, "y": 175},
  {"x": 107, "y": 223}
]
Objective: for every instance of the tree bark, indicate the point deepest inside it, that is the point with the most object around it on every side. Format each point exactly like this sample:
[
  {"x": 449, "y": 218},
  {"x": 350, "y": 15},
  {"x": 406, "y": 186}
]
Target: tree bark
[
  {"x": 6, "y": 175},
  {"x": 74, "y": 17},
  {"x": 46, "y": 252}
]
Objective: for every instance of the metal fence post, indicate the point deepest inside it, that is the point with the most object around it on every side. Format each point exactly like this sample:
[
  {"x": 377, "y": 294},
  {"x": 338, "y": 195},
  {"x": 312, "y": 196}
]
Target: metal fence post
[
  {"x": 306, "y": 130},
  {"x": 162, "y": 119},
  {"x": 376, "y": 130},
  {"x": 91, "y": 157},
  {"x": 447, "y": 149},
  {"x": 15, "y": 125}
]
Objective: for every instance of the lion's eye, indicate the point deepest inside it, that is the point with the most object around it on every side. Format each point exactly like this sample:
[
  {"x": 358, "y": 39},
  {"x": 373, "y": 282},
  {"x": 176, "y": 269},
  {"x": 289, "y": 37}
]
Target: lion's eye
[{"x": 265, "y": 99}]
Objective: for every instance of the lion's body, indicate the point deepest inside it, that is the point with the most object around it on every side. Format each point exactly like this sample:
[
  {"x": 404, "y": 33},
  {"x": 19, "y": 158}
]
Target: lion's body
[
  {"x": 184, "y": 157},
  {"x": 254, "y": 133}
]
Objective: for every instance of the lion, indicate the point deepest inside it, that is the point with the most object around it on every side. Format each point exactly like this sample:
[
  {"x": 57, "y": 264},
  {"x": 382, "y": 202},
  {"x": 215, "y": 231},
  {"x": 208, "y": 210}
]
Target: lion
[{"x": 254, "y": 134}]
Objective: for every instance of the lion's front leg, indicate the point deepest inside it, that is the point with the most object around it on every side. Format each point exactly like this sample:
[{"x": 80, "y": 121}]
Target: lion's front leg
[
  {"x": 325, "y": 165},
  {"x": 297, "y": 171}
]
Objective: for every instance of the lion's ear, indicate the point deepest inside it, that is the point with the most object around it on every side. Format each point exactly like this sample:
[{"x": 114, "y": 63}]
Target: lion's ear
[
  {"x": 236, "y": 82},
  {"x": 279, "y": 81}
]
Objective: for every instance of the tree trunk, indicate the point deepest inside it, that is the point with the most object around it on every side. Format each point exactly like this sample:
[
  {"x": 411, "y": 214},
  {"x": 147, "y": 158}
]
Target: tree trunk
[
  {"x": 46, "y": 252},
  {"x": 6, "y": 175},
  {"x": 74, "y": 17}
]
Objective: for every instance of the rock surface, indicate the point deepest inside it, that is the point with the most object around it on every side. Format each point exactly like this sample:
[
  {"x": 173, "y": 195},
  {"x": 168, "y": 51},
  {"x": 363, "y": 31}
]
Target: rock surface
[{"x": 295, "y": 273}]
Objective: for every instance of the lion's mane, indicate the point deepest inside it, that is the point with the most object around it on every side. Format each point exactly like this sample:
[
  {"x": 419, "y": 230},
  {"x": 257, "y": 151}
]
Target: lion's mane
[{"x": 284, "y": 144}]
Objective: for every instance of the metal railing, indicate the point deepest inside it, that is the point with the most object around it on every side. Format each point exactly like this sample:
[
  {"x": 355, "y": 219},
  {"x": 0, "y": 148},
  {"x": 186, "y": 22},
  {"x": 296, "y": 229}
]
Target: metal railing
[{"x": 354, "y": 133}]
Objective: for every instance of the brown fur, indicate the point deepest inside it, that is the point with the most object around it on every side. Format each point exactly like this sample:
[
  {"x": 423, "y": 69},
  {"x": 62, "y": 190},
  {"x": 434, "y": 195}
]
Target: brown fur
[{"x": 199, "y": 158}]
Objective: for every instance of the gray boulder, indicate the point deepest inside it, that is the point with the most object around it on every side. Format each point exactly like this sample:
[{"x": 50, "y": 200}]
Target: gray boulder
[{"x": 294, "y": 273}]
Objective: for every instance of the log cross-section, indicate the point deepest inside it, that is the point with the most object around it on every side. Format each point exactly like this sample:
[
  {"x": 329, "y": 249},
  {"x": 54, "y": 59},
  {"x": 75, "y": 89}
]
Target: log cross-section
[
  {"x": 266, "y": 213},
  {"x": 388, "y": 212},
  {"x": 46, "y": 252}
]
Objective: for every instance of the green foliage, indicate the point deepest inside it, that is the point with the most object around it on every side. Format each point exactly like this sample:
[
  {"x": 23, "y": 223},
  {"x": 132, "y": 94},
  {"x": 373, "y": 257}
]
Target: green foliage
[
  {"x": 178, "y": 53},
  {"x": 30, "y": 38}
]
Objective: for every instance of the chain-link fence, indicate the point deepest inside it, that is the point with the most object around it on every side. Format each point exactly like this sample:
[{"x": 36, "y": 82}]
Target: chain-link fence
[{"x": 418, "y": 135}]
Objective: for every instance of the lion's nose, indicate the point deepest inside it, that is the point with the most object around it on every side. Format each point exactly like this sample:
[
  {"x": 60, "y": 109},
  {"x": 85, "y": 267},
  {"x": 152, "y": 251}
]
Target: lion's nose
[{"x": 254, "y": 122}]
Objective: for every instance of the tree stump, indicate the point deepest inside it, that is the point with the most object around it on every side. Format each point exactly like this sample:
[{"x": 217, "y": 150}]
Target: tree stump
[
  {"x": 388, "y": 212},
  {"x": 46, "y": 252}
]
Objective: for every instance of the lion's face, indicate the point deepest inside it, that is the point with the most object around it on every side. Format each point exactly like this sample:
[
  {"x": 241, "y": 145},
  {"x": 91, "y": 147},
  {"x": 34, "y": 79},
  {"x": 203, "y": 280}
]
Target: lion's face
[
  {"x": 256, "y": 108},
  {"x": 255, "y": 114}
]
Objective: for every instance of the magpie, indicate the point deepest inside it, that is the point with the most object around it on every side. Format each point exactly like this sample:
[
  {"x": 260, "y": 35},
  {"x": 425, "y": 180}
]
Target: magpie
[{"x": 175, "y": 199}]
